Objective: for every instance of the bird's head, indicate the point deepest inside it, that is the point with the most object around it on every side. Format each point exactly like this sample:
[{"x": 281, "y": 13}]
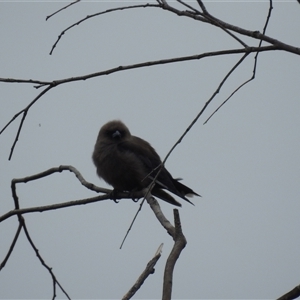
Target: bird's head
[{"x": 114, "y": 131}]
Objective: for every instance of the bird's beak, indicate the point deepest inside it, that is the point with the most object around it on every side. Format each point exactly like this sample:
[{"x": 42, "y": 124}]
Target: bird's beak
[{"x": 117, "y": 134}]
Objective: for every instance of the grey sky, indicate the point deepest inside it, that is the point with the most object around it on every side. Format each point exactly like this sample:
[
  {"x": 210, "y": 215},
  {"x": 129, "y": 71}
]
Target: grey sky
[{"x": 242, "y": 234}]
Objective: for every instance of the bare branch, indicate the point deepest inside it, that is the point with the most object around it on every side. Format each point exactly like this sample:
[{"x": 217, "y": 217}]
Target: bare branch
[
  {"x": 15, "y": 80},
  {"x": 264, "y": 31},
  {"x": 23, "y": 211},
  {"x": 60, "y": 169},
  {"x": 128, "y": 67},
  {"x": 206, "y": 15},
  {"x": 225, "y": 101},
  {"x": 168, "y": 61},
  {"x": 160, "y": 216},
  {"x": 201, "y": 4},
  {"x": 24, "y": 111},
  {"x": 57, "y": 82},
  {"x": 146, "y": 194},
  {"x": 108, "y": 194},
  {"x": 180, "y": 243},
  {"x": 132, "y": 222},
  {"x": 197, "y": 15},
  {"x": 253, "y": 72},
  {"x": 11, "y": 248},
  {"x": 48, "y": 17},
  {"x": 98, "y": 14},
  {"x": 219, "y": 23},
  {"x": 179, "y": 239},
  {"x": 148, "y": 271},
  {"x": 190, "y": 7},
  {"x": 292, "y": 294},
  {"x": 54, "y": 280},
  {"x": 23, "y": 225},
  {"x": 205, "y": 106}
]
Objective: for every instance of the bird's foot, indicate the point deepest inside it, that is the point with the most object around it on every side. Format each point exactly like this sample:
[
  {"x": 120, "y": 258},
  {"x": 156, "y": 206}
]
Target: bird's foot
[
  {"x": 133, "y": 196},
  {"x": 113, "y": 195}
]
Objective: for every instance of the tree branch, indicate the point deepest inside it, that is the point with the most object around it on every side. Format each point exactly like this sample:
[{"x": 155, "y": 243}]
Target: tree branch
[
  {"x": 108, "y": 193},
  {"x": 11, "y": 248},
  {"x": 160, "y": 216},
  {"x": 148, "y": 271},
  {"x": 292, "y": 294},
  {"x": 219, "y": 23},
  {"x": 54, "y": 279},
  {"x": 254, "y": 67},
  {"x": 122, "y": 68},
  {"x": 98, "y": 14},
  {"x": 48, "y": 17},
  {"x": 180, "y": 243}
]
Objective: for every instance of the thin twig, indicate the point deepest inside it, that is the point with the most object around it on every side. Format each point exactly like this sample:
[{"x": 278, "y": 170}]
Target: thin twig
[
  {"x": 225, "y": 101},
  {"x": 190, "y": 7},
  {"x": 98, "y": 14},
  {"x": 254, "y": 68},
  {"x": 210, "y": 18},
  {"x": 205, "y": 106},
  {"x": 48, "y": 17},
  {"x": 54, "y": 279},
  {"x": 31, "y": 81},
  {"x": 132, "y": 222},
  {"x": 24, "y": 111},
  {"x": 155, "y": 207},
  {"x": 11, "y": 248}
]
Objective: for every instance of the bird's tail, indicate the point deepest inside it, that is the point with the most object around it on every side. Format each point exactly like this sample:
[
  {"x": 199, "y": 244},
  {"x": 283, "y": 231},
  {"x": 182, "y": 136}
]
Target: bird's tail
[
  {"x": 159, "y": 193},
  {"x": 184, "y": 190}
]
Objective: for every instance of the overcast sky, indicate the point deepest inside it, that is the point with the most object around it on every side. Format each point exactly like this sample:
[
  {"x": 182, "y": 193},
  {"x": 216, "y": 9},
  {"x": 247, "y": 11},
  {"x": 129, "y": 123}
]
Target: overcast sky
[{"x": 242, "y": 235}]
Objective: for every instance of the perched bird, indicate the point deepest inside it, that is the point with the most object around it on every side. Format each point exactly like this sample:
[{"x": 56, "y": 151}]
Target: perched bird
[{"x": 129, "y": 163}]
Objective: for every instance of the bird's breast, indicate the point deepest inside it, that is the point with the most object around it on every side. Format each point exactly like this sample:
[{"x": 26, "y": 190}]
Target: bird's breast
[{"x": 121, "y": 169}]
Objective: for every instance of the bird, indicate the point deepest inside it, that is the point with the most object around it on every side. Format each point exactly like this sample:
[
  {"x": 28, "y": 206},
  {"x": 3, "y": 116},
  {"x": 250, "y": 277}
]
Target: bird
[{"x": 129, "y": 163}]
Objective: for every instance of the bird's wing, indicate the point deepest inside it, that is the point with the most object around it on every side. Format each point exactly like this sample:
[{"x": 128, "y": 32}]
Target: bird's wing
[
  {"x": 143, "y": 151},
  {"x": 151, "y": 160}
]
